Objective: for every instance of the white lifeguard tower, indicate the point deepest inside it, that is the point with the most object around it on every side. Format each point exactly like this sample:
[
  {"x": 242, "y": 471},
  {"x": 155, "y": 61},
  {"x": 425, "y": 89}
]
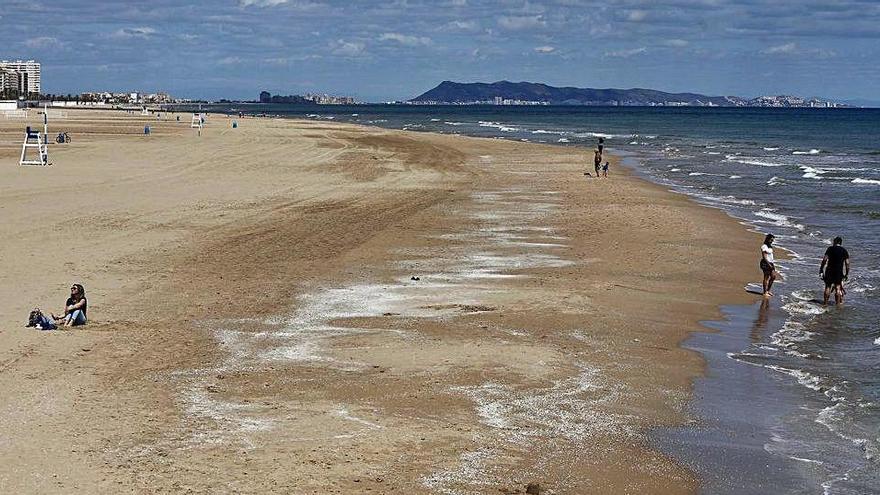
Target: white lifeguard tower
[
  {"x": 38, "y": 141},
  {"x": 197, "y": 122}
]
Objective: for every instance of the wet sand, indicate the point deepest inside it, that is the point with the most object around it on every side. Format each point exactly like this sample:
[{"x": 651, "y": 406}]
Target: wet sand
[{"x": 327, "y": 308}]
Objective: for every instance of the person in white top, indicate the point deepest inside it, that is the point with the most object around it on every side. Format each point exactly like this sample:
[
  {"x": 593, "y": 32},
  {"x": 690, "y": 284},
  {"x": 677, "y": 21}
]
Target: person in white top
[{"x": 768, "y": 267}]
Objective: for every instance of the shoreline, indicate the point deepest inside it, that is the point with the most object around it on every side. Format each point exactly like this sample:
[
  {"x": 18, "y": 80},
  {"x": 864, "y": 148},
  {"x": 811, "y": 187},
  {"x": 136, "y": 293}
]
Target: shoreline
[{"x": 399, "y": 152}]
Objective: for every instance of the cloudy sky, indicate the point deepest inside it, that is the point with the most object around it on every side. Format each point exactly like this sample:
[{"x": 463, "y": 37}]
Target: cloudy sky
[{"x": 384, "y": 50}]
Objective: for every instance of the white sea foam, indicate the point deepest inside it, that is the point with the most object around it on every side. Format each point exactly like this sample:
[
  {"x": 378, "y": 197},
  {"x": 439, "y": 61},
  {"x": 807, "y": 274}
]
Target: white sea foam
[
  {"x": 759, "y": 163},
  {"x": 455, "y": 124},
  {"x": 675, "y": 170},
  {"x": 732, "y": 200},
  {"x": 778, "y": 219},
  {"x": 771, "y": 149},
  {"x": 496, "y": 125},
  {"x": 804, "y": 308},
  {"x": 859, "y": 180},
  {"x": 813, "y": 151},
  {"x": 562, "y": 140},
  {"x": 775, "y": 181},
  {"x": 735, "y": 177},
  {"x": 877, "y": 341},
  {"x": 806, "y": 379}
]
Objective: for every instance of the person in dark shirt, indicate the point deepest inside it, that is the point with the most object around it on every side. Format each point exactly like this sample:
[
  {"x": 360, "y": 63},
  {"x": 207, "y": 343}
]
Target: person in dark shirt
[
  {"x": 834, "y": 270},
  {"x": 75, "y": 308},
  {"x": 601, "y": 145}
]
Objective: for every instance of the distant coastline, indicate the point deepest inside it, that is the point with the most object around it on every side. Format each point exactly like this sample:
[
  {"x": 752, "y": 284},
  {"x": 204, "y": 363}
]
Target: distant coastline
[{"x": 527, "y": 93}]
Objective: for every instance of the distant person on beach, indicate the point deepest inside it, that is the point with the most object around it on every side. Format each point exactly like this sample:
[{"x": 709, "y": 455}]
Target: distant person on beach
[
  {"x": 75, "y": 308},
  {"x": 834, "y": 270},
  {"x": 768, "y": 266},
  {"x": 605, "y": 170},
  {"x": 601, "y": 145},
  {"x": 597, "y": 161}
]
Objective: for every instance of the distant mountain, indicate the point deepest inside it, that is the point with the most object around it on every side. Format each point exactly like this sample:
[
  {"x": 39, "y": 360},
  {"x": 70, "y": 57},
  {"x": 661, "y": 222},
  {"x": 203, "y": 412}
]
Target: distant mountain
[{"x": 527, "y": 93}]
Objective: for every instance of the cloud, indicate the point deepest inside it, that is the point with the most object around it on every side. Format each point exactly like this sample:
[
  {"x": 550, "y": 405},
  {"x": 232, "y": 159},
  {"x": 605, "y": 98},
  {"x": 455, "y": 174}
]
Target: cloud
[
  {"x": 787, "y": 48},
  {"x": 636, "y": 15},
  {"x": 676, "y": 43},
  {"x": 260, "y": 3},
  {"x": 43, "y": 42},
  {"x": 347, "y": 48},
  {"x": 405, "y": 40},
  {"x": 136, "y": 32},
  {"x": 626, "y": 53},
  {"x": 545, "y": 49},
  {"x": 794, "y": 50},
  {"x": 516, "y": 23},
  {"x": 461, "y": 26},
  {"x": 230, "y": 61}
]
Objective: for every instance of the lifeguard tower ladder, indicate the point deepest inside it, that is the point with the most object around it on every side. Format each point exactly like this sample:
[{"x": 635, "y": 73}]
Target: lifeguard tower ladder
[
  {"x": 38, "y": 141},
  {"x": 197, "y": 121}
]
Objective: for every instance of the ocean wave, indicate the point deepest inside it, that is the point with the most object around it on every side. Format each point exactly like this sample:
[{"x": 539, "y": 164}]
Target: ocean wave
[
  {"x": 455, "y": 124},
  {"x": 771, "y": 149},
  {"x": 778, "y": 219},
  {"x": 775, "y": 181},
  {"x": 819, "y": 173},
  {"x": 496, "y": 125},
  {"x": 675, "y": 170},
  {"x": 542, "y": 131},
  {"x": 562, "y": 140},
  {"x": 605, "y": 135},
  {"x": 735, "y": 177},
  {"x": 859, "y": 180},
  {"x": 804, "y": 308},
  {"x": 812, "y": 173},
  {"x": 806, "y": 379},
  {"x": 759, "y": 163},
  {"x": 877, "y": 341},
  {"x": 731, "y": 200},
  {"x": 813, "y": 151}
]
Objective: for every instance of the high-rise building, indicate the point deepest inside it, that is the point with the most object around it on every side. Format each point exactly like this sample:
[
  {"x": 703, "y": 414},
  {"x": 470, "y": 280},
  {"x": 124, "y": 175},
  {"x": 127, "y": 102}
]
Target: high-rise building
[
  {"x": 28, "y": 74},
  {"x": 8, "y": 80}
]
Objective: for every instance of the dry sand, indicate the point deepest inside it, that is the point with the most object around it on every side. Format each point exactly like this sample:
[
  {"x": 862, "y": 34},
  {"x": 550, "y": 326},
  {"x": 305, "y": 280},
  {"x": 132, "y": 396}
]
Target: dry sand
[{"x": 255, "y": 326}]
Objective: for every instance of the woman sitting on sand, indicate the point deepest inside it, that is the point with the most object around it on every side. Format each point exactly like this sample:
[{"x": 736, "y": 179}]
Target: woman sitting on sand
[
  {"x": 75, "y": 308},
  {"x": 767, "y": 264}
]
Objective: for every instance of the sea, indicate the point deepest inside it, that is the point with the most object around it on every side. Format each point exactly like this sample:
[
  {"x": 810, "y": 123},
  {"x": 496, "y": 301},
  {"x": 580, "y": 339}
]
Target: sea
[{"x": 791, "y": 401}]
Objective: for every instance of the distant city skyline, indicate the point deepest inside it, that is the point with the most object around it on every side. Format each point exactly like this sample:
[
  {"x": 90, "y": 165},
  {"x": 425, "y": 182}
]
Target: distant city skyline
[{"x": 398, "y": 49}]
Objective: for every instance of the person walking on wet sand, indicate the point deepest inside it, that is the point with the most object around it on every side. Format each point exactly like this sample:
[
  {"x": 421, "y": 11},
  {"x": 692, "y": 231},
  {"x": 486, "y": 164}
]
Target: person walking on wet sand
[
  {"x": 767, "y": 264},
  {"x": 597, "y": 161},
  {"x": 834, "y": 270}
]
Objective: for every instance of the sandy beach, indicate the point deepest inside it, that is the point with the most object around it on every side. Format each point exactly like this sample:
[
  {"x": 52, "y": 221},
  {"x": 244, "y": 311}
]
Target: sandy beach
[{"x": 314, "y": 307}]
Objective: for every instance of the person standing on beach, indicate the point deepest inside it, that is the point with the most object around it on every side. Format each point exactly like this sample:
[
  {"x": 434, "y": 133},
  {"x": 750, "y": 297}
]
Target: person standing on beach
[
  {"x": 597, "y": 161},
  {"x": 605, "y": 170},
  {"x": 767, "y": 264},
  {"x": 834, "y": 270},
  {"x": 601, "y": 145}
]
